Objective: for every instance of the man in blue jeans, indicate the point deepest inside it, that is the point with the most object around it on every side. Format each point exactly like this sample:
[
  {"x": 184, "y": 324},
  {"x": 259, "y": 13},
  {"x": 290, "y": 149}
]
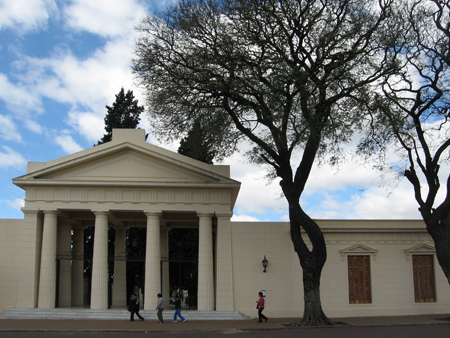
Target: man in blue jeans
[{"x": 178, "y": 310}]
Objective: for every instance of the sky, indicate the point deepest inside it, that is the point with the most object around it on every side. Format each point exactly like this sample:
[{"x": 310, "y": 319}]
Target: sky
[{"x": 61, "y": 62}]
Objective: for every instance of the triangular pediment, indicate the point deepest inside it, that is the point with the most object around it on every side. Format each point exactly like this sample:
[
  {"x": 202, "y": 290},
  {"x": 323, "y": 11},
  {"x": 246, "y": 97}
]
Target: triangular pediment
[
  {"x": 420, "y": 249},
  {"x": 127, "y": 162},
  {"x": 359, "y": 249},
  {"x": 128, "y": 165}
]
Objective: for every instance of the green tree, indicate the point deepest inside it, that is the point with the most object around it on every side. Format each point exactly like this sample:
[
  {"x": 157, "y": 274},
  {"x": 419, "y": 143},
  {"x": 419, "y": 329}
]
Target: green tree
[
  {"x": 195, "y": 144},
  {"x": 414, "y": 115},
  {"x": 124, "y": 113},
  {"x": 291, "y": 76}
]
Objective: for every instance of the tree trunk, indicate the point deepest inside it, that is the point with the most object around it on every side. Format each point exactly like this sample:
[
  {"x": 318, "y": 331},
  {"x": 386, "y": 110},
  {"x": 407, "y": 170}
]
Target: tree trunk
[
  {"x": 313, "y": 314},
  {"x": 439, "y": 229},
  {"x": 312, "y": 262}
]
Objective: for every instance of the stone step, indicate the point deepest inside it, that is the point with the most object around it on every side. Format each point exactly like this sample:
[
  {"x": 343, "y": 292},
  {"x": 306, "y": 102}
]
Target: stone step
[{"x": 114, "y": 314}]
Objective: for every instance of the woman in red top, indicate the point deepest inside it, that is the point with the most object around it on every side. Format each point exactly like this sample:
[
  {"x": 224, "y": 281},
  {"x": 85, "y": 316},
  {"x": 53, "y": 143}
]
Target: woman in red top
[{"x": 260, "y": 307}]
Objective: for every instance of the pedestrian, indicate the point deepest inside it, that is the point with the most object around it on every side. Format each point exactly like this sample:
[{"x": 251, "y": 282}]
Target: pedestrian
[
  {"x": 260, "y": 307},
  {"x": 134, "y": 308},
  {"x": 160, "y": 308},
  {"x": 178, "y": 310}
]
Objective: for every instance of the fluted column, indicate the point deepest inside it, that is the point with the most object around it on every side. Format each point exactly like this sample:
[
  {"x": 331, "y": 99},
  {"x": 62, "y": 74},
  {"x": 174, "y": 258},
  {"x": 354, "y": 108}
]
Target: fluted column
[
  {"x": 47, "y": 276},
  {"x": 205, "y": 296},
  {"x": 152, "y": 260},
  {"x": 78, "y": 266},
  {"x": 65, "y": 266},
  {"x": 119, "y": 298},
  {"x": 224, "y": 264},
  {"x": 99, "y": 285}
]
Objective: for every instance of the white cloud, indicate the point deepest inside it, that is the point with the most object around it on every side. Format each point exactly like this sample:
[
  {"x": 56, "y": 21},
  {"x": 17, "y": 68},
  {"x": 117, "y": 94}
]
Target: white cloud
[
  {"x": 10, "y": 158},
  {"x": 87, "y": 85},
  {"x": 244, "y": 218},
  {"x": 33, "y": 126},
  {"x": 375, "y": 204},
  {"x": 67, "y": 142},
  {"x": 26, "y": 15},
  {"x": 90, "y": 125},
  {"x": 104, "y": 17},
  {"x": 8, "y": 129},
  {"x": 257, "y": 194},
  {"x": 19, "y": 98},
  {"x": 17, "y": 203}
]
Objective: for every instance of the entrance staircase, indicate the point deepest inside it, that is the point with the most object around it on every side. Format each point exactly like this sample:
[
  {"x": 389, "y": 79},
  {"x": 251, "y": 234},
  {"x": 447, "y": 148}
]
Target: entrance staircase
[{"x": 114, "y": 314}]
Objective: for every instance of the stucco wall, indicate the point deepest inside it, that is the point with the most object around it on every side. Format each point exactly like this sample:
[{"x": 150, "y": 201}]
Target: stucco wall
[
  {"x": 10, "y": 261},
  {"x": 391, "y": 269}
]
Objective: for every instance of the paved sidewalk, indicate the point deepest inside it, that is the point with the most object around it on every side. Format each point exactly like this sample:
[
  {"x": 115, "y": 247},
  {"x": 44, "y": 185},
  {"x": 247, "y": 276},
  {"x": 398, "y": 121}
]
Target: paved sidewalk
[{"x": 201, "y": 325}]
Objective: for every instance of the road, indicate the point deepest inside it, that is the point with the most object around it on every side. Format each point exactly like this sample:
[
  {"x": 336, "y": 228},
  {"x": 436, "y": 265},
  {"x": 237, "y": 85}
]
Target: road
[{"x": 406, "y": 331}]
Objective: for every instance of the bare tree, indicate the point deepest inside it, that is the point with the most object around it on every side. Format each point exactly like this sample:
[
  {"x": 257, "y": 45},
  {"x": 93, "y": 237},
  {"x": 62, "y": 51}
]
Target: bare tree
[
  {"x": 291, "y": 76},
  {"x": 414, "y": 112}
]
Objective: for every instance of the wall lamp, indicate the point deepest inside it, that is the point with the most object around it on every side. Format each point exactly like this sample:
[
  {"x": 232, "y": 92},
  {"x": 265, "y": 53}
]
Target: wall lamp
[{"x": 265, "y": 262}]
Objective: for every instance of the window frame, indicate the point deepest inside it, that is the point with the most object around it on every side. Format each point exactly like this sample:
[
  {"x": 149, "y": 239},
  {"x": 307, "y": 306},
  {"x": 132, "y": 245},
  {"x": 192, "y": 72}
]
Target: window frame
[
  {"x": 424, "y": 278},
  {"x": 365, "y": 284}
]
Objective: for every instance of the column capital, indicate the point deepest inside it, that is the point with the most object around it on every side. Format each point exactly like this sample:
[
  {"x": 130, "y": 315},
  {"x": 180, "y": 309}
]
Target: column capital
[
  {"x": 205, "y": 214},
  {"x": 51, "y": 212},
  {"x": 225, "y": 214},
  {"x": 153, "y": 213},
  {"x": 30, "y": 211},
  {"x": 100, "y": 212}
]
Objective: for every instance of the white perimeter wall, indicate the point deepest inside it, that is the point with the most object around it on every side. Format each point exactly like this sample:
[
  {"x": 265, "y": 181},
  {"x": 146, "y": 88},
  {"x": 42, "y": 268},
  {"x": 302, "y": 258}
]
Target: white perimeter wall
[
  {"x": 391, "y": 272},
  {"x": 10, "y": 261}
]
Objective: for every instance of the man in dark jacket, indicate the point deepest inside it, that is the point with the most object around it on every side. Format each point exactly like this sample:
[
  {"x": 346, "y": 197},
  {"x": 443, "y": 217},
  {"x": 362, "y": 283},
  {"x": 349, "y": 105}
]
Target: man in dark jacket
[{"x": 134, "y": 308}]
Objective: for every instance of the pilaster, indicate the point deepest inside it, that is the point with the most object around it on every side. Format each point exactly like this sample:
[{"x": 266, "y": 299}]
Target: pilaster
[
  {"x": 78, "y": 266},
  {"x": 64, "y": 245},
  {"x": 119, "y": 297},
  {"x": 224, "y": 264},
  {"x": 164, "y": 233}
]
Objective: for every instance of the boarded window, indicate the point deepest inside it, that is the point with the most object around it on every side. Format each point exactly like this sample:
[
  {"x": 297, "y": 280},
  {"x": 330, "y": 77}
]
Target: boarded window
[
  {"x": 423, "y": 273},
  {"x": 359, "y": 280}
]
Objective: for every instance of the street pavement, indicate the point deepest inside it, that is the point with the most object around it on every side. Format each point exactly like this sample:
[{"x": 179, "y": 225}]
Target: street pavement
[{"x": 224, "y": 326}]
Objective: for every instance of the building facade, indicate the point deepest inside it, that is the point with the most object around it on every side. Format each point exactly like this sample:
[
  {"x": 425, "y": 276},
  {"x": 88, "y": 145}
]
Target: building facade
[{"x": 374, "y": 267}]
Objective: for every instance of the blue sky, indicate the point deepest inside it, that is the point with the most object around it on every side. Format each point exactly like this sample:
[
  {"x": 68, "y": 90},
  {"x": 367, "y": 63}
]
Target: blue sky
[{"x": 61, "y": 62}]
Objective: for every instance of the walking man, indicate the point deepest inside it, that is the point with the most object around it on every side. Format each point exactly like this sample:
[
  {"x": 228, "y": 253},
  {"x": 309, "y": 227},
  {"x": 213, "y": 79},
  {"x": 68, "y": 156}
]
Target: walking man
[
  {"x": 134, "y": 308},
  {"x": 160, "y": 308},
  {"x": 178, "y": 310}
]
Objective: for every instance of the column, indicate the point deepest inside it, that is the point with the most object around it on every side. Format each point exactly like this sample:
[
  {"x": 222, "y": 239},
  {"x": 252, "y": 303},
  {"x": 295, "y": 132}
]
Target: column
[
  {"x": 224, "y": 264},
  {"x": 152, "y": 260},
  {"x": 99, "y": 285},
  {"x": 29, "y": 261},
  {"x": 64, "y": 247},
  {"x": 164, "y": 233},
  {"x": 78, "y": 266},
  {"x": 205, "y": 296},
  {"x": 47, "y": 275},
  {"x": 119, "y": 287}
]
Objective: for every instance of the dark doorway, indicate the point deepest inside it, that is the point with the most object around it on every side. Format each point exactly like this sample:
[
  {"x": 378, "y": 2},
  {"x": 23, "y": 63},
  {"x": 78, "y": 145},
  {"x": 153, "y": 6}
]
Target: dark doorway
[
  {"x": 183, "y": 265},
  {"x": 135, "y": 249}
]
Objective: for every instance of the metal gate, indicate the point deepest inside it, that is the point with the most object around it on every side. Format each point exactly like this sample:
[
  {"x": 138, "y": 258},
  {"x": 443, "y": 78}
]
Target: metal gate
[{"x": 183, "y": 281}]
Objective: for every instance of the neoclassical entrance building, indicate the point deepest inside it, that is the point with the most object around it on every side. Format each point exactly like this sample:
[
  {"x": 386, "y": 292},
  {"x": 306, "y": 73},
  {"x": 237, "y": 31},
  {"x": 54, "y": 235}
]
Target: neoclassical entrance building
[
  {"x": 126, "y": 182},
  {"x": 374, "y": 267}
]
